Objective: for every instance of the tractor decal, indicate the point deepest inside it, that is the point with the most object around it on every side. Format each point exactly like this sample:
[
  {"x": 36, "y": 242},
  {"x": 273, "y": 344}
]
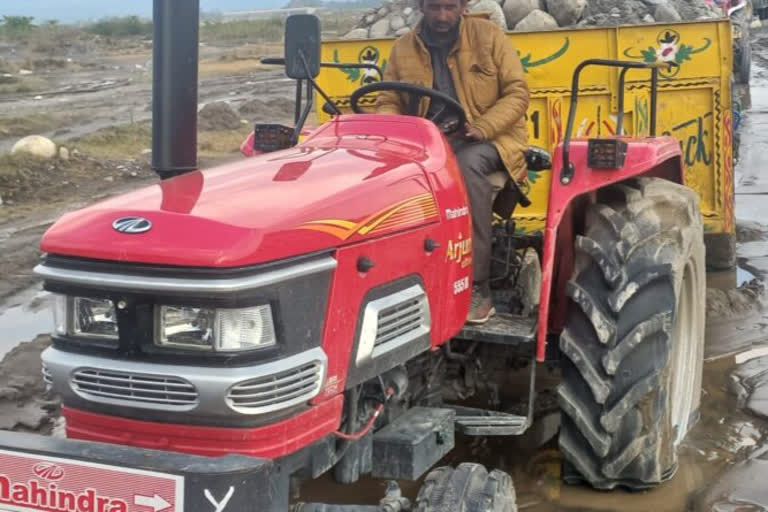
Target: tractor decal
[
  {"x": 411, "y": 211},
  {"x": 728, "y": 214},
  {"x": 527, "y": 64},
  {"x": 669, "y": 50},
  {"x": 368, "y": 55},
  {"x": 459, "y": 251}
]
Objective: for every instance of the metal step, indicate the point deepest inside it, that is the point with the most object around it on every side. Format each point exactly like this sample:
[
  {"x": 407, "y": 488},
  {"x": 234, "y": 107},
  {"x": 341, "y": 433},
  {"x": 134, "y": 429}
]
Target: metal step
[
  {"x": 503, "y": 328},
  {"x": 482, "y": 422}
]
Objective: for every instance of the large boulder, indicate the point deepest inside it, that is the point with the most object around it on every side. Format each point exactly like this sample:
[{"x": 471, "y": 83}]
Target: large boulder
[
  {"x": 396, "y": 23},
  {"x": 566, "y": 12},
  {"x": 415, "y": 18},
  {"x": 666, "y": 13},
  {"x": 536, "y": 21},
  {"x": 516, "y": 10},
  {"x": 37, "y": 146},
  {"x": 379, "y": 29},
  {"x": 492, "y": 8},
  {"x": 357, "y": 33}
]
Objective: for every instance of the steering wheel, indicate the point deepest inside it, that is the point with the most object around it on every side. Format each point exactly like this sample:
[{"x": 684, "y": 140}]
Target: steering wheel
[{"x": 416, "y": 93}]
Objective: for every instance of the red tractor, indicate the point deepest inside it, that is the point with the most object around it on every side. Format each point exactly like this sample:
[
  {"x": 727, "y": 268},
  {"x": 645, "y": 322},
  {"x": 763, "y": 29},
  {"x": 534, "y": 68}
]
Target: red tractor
[{"x": 307, "y": 305}]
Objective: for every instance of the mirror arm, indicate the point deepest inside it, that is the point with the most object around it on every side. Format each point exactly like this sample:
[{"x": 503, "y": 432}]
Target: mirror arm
[
  {"x": 304, "y": 115},
  {"x": 317, "y": 87}
]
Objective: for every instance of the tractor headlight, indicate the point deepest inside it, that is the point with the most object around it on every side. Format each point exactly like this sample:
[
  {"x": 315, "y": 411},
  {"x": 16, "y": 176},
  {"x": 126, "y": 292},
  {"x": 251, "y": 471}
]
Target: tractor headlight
[
  {"x": 85, "y": 317},
  {"x": 219, "y": 330}
]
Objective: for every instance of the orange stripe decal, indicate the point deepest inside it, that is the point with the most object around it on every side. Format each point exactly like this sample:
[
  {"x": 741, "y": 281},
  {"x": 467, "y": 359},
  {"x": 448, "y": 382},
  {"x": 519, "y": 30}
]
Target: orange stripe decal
[{"x": 409, "y": 211}]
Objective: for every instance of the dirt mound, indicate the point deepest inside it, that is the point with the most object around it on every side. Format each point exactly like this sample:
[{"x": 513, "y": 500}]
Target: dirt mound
[
  {"x": 218, "y": 116},
  {"x": 723, "y": 304},
  {"x": 750, "y": 231},
  {"x": 24, "y": 405},
  {"x": 275, "y": 109},
  {"x": 25, "y": 178}
]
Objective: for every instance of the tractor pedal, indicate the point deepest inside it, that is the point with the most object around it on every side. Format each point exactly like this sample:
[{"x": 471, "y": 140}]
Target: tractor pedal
[{"x": 482, "y": 422}]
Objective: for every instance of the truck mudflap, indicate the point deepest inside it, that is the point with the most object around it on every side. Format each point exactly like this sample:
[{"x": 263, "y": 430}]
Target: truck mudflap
[{"x": 41, "y": 473}]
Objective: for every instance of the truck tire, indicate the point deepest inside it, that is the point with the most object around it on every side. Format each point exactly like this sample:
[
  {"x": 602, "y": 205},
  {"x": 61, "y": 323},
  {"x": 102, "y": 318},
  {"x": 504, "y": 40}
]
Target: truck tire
[
  {"x": 744, "y": 64},
  {"x": 633, "y": 342},
  {"x": 468, "y": 488}
]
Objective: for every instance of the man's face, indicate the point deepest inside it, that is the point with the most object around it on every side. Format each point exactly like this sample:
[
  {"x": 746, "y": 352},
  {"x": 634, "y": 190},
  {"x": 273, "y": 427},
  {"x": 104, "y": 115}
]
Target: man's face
[{"x": 442, "y": 16}]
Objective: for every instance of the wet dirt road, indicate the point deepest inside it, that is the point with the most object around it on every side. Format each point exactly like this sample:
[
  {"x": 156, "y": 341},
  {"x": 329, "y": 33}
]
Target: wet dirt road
[
  {"x": 120, "y": 92},
  {"x": 724, "y": 437}
]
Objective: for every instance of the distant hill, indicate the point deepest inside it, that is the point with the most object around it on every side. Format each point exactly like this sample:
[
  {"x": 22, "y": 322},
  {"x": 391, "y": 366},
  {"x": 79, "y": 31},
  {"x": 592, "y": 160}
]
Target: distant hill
[
  {"x": 84, "y": 10},
  {"x": 334, "y": 4}
]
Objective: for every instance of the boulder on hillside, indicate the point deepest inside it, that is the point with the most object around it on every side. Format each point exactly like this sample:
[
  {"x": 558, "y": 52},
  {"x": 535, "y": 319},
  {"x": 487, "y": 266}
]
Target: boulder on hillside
[{"x": 37, "y": 146}]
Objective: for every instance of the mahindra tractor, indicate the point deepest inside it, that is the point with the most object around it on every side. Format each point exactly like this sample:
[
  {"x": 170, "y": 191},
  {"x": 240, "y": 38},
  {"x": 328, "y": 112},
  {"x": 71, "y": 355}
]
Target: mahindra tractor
[{"x": 307, "y": 305}]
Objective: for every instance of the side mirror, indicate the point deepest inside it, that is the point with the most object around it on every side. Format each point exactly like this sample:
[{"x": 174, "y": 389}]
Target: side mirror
[{"x": 302, "y": 46}]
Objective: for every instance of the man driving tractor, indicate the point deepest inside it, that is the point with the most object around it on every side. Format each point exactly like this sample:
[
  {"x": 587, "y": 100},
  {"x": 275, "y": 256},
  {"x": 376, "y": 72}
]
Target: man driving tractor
[{"x": 472, "y": 61}]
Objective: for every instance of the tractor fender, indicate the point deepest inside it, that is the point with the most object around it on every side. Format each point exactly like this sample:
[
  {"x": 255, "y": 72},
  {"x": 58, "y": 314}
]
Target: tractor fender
[{"x": 658, "y": 157}]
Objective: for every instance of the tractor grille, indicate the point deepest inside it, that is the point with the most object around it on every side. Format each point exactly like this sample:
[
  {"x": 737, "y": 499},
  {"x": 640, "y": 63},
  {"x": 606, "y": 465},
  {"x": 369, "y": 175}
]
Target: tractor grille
[
  {"x": 142, "y": 390},
  {"x": 277, "y": 391},
  {"x": 399, "y": 320}
]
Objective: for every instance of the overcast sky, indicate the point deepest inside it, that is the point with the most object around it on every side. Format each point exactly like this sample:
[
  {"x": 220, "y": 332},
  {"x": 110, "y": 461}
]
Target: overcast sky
[{"x": 81, "y": 10}]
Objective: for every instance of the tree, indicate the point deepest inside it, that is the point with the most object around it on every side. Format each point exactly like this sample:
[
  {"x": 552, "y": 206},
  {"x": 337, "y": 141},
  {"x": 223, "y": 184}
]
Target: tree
[{"x": 18, "y": 23}]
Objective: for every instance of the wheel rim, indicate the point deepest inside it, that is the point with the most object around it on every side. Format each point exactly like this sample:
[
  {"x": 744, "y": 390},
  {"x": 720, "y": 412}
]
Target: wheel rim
[{"x": 685, "y": 340}]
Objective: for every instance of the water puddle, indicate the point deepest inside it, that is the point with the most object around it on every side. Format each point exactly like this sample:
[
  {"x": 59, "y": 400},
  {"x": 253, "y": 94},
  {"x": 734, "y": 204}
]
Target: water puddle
[
  {"x": 732, "y": 278},
  {"x": 23, "y": 317}
]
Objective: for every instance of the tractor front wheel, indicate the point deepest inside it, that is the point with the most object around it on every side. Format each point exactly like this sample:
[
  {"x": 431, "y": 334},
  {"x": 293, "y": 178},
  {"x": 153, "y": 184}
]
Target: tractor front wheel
[
  {"x": 468, "y": 488},
  {"x": 633, "y": 343}
]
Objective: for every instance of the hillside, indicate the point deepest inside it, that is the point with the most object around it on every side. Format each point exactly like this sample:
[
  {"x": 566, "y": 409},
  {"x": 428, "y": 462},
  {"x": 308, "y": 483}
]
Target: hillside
[{"x": 334, "y": 4}]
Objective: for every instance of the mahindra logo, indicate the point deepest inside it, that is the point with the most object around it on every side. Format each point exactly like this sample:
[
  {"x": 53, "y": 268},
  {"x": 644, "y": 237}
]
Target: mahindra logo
[
  {"x": 132, "y": 225},
  {"x": 48, "y": 471}
]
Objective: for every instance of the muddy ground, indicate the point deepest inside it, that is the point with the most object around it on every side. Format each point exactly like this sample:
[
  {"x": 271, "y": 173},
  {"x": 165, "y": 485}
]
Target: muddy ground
[{"x": 106, "y": 100}]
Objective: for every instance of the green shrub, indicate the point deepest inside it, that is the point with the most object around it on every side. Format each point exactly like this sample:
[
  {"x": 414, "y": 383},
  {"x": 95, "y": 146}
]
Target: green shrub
[
  {"x": 121, "y": 27},
  {"x": 16, "y": 26},
  {"x": 260, "y": 30}
]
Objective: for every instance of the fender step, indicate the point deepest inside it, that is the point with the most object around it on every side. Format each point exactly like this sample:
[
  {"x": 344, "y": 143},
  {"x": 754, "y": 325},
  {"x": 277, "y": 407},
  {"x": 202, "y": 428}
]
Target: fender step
[
  {"x": 504, "y": 329},
  {"x": 482, "y": 422}
]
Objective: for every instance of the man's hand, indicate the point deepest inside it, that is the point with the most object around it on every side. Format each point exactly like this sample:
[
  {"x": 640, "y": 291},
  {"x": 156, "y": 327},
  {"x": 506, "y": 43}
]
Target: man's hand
[{"x": 473, "y": 133}]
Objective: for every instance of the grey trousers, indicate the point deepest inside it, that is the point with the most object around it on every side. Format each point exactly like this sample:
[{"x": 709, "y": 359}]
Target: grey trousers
[{"x": 478, "y": 161}]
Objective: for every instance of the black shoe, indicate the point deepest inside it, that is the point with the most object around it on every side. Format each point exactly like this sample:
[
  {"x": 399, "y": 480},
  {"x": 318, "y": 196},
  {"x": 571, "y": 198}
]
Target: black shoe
[{"x": 481, "y": 308}]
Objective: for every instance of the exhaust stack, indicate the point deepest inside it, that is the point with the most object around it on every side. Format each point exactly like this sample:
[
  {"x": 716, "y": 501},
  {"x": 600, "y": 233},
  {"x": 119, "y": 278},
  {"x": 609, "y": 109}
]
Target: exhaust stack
[{"x": 174, "y": 87}]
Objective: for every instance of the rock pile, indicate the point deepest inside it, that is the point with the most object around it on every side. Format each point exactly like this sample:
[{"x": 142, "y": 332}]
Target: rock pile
[
  {"x": 218, "y": 116},
  {"x": 396, "y": 17}
]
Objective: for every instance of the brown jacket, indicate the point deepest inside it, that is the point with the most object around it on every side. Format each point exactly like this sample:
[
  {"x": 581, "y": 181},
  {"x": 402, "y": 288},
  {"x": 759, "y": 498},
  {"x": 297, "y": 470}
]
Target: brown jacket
[{"x": 489, "y": 81}]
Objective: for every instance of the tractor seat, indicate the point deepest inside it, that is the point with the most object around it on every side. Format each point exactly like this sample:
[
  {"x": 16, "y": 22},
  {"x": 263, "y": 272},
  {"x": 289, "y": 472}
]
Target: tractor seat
[{"x": 506, "y": 193}]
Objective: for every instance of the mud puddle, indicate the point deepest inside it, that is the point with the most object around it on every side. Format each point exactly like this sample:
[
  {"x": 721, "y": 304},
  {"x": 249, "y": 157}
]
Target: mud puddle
[
  {"x": 723, "y": 436},
  {"x": 23, "y": 317},
  {"x": 733, "y": 278}
]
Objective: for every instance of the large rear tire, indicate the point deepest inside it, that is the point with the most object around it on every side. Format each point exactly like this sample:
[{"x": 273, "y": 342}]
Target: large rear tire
[
  {"x": 633, "y": 344},
  {"x": 468, "y": 488}
]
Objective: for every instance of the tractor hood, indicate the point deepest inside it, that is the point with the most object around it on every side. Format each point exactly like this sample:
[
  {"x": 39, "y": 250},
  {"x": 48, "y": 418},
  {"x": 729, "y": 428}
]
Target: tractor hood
[{"x": 320, "y": 195}]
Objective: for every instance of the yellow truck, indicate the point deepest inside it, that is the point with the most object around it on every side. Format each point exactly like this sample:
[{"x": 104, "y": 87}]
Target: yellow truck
[{"x": 694, "y": 102}]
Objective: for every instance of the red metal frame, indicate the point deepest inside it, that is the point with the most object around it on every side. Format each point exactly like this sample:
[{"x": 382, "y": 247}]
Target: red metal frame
[{"x": 270, "y": 441}]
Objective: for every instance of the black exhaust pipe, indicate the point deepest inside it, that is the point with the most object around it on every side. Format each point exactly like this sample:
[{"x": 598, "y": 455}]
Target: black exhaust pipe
[{"x": 174, "y": 86}]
